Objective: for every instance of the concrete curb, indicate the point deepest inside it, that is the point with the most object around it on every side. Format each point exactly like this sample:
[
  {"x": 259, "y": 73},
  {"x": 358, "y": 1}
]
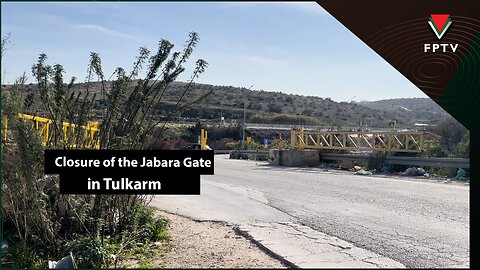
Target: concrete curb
[
  {"x": 268, "y": 251},
  {"x": 299, "y": 246}
]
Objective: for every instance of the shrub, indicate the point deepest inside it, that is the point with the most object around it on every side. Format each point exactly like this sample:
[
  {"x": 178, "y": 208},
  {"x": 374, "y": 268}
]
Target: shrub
[
  {"x": 279, "y": 144},
  {"x": 20, "y": 255},
  {"x": 149, "y": 227},
  {"x": 157, "y": 229},
  {"x": 438, "y": 172},
  {"x": 91, "y": 253},
  {"x": 246, "y": 146},
  {"x": 222, "y": 144}
]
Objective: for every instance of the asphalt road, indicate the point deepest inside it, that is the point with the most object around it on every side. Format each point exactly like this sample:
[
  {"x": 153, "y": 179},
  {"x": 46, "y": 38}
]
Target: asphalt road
[{"x": 417, "y": 223}]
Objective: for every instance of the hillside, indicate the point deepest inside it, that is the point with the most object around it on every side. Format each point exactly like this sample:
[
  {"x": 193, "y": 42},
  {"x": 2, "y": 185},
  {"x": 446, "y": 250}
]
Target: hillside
[
  {"x": 266, "y": 106},
  {"x": 424, "y": 110},
  {"x": 279, "y": 108},
  {"x": 262, "y": 106}
]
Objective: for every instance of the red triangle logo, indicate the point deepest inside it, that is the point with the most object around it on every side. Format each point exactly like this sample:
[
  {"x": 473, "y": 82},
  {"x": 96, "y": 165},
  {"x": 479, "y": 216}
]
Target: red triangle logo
[{"x": 439, "y": 20}]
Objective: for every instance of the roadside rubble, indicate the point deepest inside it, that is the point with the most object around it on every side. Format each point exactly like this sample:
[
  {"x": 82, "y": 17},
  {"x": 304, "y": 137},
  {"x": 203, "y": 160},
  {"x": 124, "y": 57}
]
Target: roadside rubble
[
  {"x": 360, "y": 170},
  {"x": 388, "y": 170},
  {"x": 414, "y": 171}
]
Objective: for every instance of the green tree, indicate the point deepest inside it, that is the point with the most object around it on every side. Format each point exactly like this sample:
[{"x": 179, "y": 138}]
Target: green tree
[
  {"x": 462, "y": 149},
  {"x": 451, "y": 132}
]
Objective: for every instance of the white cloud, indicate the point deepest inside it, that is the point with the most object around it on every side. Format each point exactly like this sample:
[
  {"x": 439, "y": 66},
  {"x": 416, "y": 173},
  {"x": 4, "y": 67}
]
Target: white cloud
[{"x": 101, "y": 29}]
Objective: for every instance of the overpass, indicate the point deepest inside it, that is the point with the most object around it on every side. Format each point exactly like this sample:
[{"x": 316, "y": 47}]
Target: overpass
[{"x": 263, "y": 126}]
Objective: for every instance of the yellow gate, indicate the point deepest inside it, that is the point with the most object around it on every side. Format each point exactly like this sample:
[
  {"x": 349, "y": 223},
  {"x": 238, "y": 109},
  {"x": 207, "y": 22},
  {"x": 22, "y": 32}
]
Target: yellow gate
[{"x": 43, "y": 127}]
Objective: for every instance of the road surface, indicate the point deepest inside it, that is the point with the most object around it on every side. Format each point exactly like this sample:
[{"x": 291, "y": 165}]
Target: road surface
[{"x": 374, "y": 220}]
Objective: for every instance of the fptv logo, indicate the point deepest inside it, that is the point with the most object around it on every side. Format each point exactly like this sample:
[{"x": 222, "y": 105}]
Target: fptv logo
[{"x": 440, "y": 23}]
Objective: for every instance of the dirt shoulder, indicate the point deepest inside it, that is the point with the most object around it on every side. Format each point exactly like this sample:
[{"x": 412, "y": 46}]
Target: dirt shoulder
[{"x": 207, "y": 244}]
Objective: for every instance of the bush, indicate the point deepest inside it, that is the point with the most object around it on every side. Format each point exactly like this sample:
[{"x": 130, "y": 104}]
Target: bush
[
  {"x": 144, "y": 228},
  {"x": 150, "y": 228},
  {"x": 231, "y": 145},
  {"x": 451, "y": 132},
  {"x": 279, "y": 144},
  {"x": 222, "y": 144},
  {"x": 433, "y": 149},
  {"x": 91, "y": 253},
  {"x": 157, "y": 230},
  {"x": 236, "y": 155},
  {"x": 167, "y": 144},
  {"x": 246, "y": 146},
  {"x": 438, "y": 172},
  {"x": 462, "y": 149},
  {"x": 22, "y": 256}
]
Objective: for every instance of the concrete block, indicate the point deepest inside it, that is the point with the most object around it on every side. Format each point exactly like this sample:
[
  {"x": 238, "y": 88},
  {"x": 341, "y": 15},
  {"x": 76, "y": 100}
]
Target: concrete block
[{"x": 294, "y": 158}]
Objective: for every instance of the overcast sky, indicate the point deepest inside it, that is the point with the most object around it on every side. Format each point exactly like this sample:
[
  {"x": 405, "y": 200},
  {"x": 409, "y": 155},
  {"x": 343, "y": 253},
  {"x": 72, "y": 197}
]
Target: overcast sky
[{"x": 289, "y": 47}]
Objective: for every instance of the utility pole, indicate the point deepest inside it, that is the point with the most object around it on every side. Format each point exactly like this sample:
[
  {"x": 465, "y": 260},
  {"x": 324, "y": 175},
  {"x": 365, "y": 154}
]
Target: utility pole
[
  {"x": 394, "y": 121},
  {"x": 244, "y": 118},
  {"x": 222, "y": 120}
]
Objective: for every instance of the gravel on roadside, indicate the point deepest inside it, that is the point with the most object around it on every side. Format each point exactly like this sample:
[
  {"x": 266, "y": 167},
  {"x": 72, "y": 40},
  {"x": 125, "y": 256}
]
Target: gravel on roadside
[{"x": 206, "y": 244}]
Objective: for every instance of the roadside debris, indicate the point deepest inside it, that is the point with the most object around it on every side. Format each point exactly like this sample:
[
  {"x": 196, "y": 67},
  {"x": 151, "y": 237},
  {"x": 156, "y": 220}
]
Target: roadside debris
[
  {"x": 355, "y": 168},
  {"x": 386, "y": 169},
  {"x": 335, "y": 166},
  {"x": 65, "y": 262},
  {"x": 363, "y": 172},
  {"x": 360, "y": 170},
  {"x": 414, "y": 171},
  {"x": 461, "y": 174}
]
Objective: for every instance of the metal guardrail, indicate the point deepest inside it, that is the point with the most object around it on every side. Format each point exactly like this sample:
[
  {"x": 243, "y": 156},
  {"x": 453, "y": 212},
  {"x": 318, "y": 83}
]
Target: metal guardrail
[
  {"x": 393, "y": 160},
  {"x": 310, "y": 127},
  {"x": 409, "y": 161},
  {"x": 222, "y": 152},
  {"x": 258, "y": 153}
]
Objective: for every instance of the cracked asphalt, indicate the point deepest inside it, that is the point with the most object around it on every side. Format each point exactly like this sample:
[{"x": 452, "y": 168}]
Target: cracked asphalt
[{"x": 416, "y": 223}]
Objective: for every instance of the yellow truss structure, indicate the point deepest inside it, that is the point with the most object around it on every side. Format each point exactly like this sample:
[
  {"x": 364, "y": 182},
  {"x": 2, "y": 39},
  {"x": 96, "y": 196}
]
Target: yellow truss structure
[{"x": 391, "y": 141}]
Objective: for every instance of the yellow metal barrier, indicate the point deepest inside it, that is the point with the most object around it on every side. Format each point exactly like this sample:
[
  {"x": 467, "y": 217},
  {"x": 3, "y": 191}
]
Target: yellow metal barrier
[
  {"x": 203, "y": 139},
  {"x": 42, "y": 126},
  {"x": 402, "y": 141},
  {"x": 4, "y": 129}
]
